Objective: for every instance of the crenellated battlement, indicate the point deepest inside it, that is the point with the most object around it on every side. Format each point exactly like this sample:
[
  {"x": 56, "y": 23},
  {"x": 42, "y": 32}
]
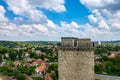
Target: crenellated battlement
[{"x": 72, "y": 43}]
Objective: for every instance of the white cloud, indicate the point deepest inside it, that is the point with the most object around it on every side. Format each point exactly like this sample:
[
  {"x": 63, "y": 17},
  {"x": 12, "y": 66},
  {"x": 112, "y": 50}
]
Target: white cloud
[
  {"x": 95, "y": 4},
  {"x": 52, "y": 5},
  {"x": 103, "y": 25},
  {"x": 8, "y": 30},
  {"x": 92, "y": 18},
  {"x": 2, "y": 15},
  {"x": 104, "y": 17},
  {"x": 74, "y": 24},
  {"x": 50, "y": 24},
  {"x": 116, "y": 25},
  {"x": 23, "y": 8},
  {"x": 40, "y": 28}
]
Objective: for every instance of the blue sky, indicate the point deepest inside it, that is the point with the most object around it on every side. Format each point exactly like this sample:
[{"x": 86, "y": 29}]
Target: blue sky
[{"x": 52, "y": 19}]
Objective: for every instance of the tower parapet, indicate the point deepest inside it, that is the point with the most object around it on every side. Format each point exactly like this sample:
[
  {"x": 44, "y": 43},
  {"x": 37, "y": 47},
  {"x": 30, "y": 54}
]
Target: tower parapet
[{"x": 76, "y": 43}]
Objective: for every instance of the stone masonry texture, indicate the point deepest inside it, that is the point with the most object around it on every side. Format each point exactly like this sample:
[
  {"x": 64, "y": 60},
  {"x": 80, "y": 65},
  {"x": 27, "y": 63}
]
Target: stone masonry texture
[{"x": 76, "y": 65}]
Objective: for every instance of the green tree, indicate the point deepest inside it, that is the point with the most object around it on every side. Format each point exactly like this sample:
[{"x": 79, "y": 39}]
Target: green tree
[
  {"x": 98, "y": 68},
  {"x": 0, "y": 58},
  {"x": 20, "y": 77},
  {"x": 38, "y": 78},
  {"x": 26, "y": 70}
]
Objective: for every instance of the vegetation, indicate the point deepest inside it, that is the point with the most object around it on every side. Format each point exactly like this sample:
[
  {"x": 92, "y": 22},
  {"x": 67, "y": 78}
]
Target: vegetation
[
  {"x": 108, "y": 66},
  {"x": 53, "y": 70},
  {"x": 38, "y": 78}
]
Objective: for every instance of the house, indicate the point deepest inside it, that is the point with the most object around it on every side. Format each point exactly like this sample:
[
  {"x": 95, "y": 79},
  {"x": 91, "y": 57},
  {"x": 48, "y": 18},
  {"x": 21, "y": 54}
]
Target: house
[
  {"x": 114, "y": 54},
  {"x": 48, "y": 76},
  {"x": 26, "y": 64},
  {"x": 16, "y": 63},
  {"x": 7, "y": 55},
  {"x": 41, "y": 69},
  {"x": 38, "y": 62},
  {"x": 3, "y": 63},
  {"x": 26, "y": 54},
  {"x": 46, "y": 59},
  {"x": 97, "y": 57},
  {"x": 28, "y": 77},
  {"x": 40, "y": 52},
  {"x": 10, "y": 78},
  {"x": 97, "y": 62}
]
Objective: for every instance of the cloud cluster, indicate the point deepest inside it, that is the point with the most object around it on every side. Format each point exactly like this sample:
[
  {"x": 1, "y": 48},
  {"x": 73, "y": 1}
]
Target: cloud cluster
[
  {"x": 24, "y": 9},
  {"x": 2, "y": 16},
  {"x": 104, "y": 16},
  {"x": 31, "y": 21},
  {"x": 32, "y": 24},
  {"x": 51, "y": 5}
]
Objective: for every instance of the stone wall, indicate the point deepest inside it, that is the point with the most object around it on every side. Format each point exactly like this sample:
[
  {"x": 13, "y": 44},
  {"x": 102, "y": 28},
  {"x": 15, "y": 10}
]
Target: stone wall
[
  {"x": 104, "y": 77},
  {"x": 75, "y": 42},
  {"x": 76, "y": 65}
]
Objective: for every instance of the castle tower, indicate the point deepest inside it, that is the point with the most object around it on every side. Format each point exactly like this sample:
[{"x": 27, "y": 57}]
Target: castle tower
[{"x": 76, "y": 59}]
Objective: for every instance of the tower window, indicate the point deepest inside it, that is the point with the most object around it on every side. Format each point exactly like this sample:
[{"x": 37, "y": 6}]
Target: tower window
[{"x": 75, "y": 43}]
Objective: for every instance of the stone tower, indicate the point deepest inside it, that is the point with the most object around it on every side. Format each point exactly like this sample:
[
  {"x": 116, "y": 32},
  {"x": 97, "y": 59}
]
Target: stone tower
[{"x": 76, "y": 59}]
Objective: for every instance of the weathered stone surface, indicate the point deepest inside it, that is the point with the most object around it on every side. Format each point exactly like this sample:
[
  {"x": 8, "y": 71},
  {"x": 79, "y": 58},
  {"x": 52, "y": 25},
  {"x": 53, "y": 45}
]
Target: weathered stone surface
[
  {"x": 76, "y": 59},
  {"x": 76, "y": 65}
]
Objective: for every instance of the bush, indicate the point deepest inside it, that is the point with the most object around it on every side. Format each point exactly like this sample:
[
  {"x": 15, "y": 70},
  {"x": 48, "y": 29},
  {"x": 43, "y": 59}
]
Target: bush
[{"x": 20, "y": 77}]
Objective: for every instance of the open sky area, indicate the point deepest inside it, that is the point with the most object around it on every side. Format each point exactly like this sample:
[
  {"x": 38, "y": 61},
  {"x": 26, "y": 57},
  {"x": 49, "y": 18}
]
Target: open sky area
[{"x": 28, "y": 20}]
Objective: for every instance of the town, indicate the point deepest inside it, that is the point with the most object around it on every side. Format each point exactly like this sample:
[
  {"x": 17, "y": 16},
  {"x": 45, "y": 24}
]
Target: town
[
  {"x": 21, "y": 61},
  {"x": 33, "y": 61}
]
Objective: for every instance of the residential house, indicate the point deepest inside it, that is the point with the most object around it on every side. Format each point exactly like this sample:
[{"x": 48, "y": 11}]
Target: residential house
[
  {"x": 38, "y": 52},
  {"x": 3, "y": 63},
  {"x": 114, "y": 54},
  {"x": 38, "y": 62},
  {"x": 16, "y": 63},
  {"x": 28, "y": 77},
  {"x": 7, "y": 55},
  {"x": 26, "y": 54},
  {"x": 97, "y": 57},
  {"x": 10, "y": 78},
  {"x": 48, "y": 76},
  {"x": 41, "y": 69}
]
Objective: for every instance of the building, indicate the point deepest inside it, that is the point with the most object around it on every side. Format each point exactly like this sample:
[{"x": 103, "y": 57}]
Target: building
[
  {"x": 48, "y": 76},
  {"x": 99, "y": 43},
  {"x": 76, "y": 59},
  {"x": 114, "y": 54}
]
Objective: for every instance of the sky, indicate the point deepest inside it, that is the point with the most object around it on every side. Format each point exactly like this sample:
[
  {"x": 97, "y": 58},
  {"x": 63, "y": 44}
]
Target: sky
[{"x": 49, "y": 20}]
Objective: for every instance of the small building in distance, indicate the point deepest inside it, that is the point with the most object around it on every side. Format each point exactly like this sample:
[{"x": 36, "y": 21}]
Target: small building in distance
[{"x": 76, "y": 59}]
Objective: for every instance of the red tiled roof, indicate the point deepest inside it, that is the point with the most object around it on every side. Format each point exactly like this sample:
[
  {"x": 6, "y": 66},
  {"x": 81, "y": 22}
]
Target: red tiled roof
[
  {"x": 117, "y": 52},
  {"x": 29, "y": 78},
  {"x": 42, "y": 68},
  {"x": 39, "y": 61},
  {"x": 48, "y": 77},
  {"x": 114, "y": 54}
]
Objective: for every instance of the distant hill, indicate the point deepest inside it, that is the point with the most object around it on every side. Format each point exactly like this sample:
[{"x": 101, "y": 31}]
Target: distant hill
[
  {"x": 20, "y": 43},
  {"x": 43, "y": 42},
  {"x": 8, "y": 43}
]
